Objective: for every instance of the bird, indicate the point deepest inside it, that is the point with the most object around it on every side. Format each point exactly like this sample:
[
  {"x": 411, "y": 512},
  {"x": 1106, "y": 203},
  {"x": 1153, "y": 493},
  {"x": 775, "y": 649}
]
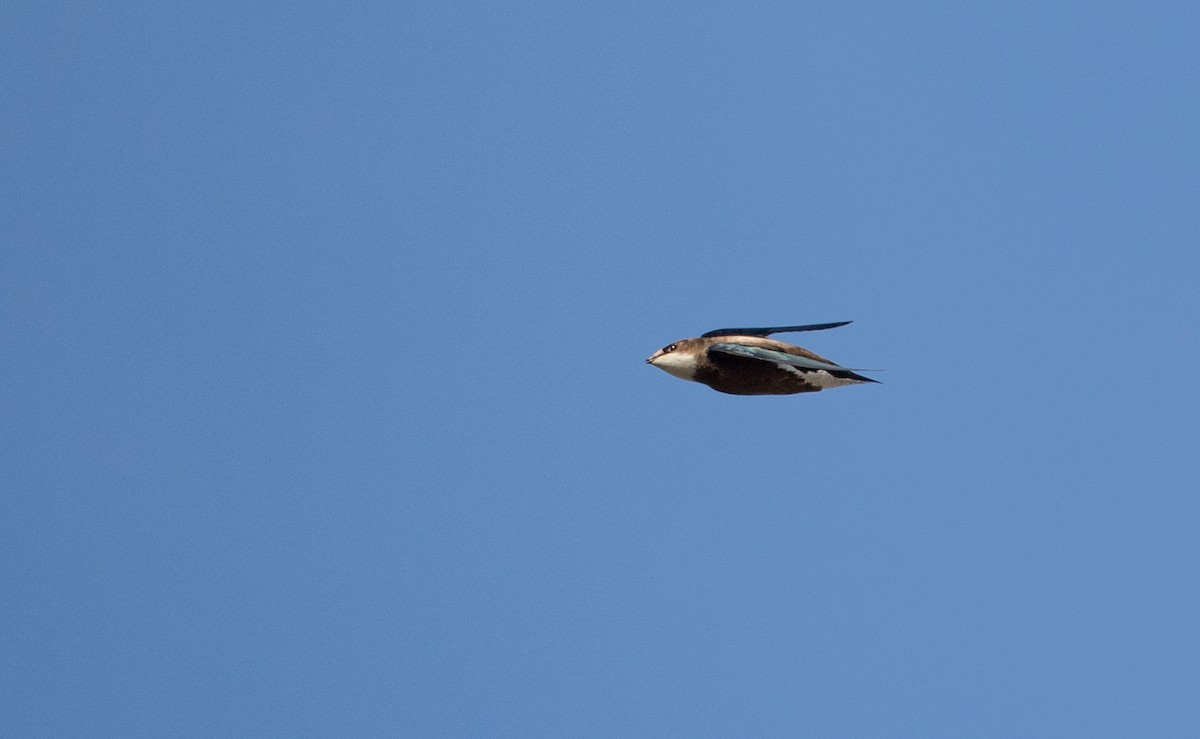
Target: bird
[{"x": 743, "y": 361}]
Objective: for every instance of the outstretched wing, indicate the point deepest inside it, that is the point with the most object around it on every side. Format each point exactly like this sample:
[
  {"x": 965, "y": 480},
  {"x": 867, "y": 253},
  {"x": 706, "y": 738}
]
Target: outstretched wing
[
  {"x": 767, "y": 331},
  {"x": 792, "y": 360}
]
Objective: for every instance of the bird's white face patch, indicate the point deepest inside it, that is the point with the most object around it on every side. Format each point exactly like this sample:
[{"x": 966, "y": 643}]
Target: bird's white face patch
[{"x": 678, "y": 363}]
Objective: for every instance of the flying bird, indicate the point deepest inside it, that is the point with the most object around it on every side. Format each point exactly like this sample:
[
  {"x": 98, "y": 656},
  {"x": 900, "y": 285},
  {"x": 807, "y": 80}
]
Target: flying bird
[{"x": 743, "y": 361}]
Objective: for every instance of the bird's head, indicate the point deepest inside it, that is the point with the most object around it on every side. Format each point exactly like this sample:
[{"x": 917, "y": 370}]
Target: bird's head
[{"x": 679, "y": 359}]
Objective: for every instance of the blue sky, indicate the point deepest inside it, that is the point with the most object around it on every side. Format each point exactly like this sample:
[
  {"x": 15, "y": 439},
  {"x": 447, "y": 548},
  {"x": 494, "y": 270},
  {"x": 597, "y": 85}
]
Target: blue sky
[{"x": 325, "y": 408}]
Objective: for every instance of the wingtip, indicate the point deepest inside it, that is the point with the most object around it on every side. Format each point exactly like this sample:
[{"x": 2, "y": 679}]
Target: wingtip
[{"x": 768, "y": 330}]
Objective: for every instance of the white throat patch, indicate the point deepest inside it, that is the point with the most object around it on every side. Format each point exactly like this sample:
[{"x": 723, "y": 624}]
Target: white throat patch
[{"x": 679, "y": 364}]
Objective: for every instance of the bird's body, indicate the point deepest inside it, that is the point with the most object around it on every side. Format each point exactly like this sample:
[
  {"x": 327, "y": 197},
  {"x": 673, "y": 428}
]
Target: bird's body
[{"x": 746, "y": 362}]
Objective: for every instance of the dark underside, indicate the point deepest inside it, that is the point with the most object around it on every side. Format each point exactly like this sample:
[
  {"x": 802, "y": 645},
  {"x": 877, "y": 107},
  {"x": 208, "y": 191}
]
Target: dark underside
[
  {"x": 745, "y": 376},
  {"x": 736, "y": 375}
]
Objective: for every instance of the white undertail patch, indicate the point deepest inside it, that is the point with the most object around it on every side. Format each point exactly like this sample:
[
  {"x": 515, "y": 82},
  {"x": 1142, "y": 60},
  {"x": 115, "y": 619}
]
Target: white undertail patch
[{"x": 820, "y": 378}]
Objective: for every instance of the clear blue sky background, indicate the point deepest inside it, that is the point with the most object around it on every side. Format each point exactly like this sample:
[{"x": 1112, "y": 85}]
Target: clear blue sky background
[{"x": 325, "y": 411}]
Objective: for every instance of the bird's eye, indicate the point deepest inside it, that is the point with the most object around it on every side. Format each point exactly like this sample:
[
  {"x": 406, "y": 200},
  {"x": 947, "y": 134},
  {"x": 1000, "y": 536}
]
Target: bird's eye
[{"x": 670, "y": 348}]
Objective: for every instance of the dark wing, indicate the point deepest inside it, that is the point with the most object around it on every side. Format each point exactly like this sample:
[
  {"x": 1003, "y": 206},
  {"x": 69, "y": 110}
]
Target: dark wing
[
  {"x": 770, "y": 355},
  {"x": 767, "y": 331}
]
